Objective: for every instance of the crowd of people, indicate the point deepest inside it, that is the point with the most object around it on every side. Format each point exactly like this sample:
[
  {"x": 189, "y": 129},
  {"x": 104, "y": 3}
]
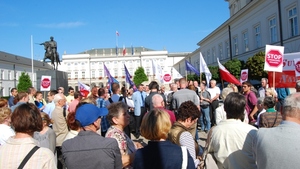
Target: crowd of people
[{"x": 251, "y": 129}]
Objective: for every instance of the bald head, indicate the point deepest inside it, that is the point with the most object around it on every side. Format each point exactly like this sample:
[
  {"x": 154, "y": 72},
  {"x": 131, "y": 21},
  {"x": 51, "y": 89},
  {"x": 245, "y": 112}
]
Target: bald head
[{"x": 157, "y": 100}]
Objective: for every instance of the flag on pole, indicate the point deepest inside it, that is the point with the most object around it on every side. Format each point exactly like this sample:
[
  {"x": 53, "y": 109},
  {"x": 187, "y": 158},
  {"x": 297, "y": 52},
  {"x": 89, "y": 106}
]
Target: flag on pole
[
  {"x": 124, "y": 50},
  {"x": 204, "y": 69},
  {"x": 225, "y": 75},
  {"x": 111, "y": 80},
  {"x": 176, "y": 74},
  {"x": 117, "y": 33},
  {"x": 190, "y": 67},
  {"x": 128, "y": 80},
  {"x": 157, "y": 70},
  {"x": 83, "y": 89},
  {"x": 132, "y": 51},
  {"x": 117, "y": 50}
]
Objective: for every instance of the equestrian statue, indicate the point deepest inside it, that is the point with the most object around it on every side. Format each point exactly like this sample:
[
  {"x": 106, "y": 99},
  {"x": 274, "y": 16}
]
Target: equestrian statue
[{"x": 51, "y": 52}]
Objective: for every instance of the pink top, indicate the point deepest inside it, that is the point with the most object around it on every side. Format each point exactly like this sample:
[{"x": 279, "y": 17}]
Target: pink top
[
  {"x": 171, "y": 114},
  {"x": 72, "y": 105}
]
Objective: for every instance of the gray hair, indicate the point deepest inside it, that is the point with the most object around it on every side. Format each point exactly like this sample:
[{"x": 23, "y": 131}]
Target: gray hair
[
  {"x": 58, "y": 97},
  {"x": 214, "y": 81},
  {"x": 298, "y": 84},
  {"x": 225, "y": 92},
  {"x": 265, "y": 79},
  {"x": 156, "y": 100},
  {"x": 291, "y": 106}
]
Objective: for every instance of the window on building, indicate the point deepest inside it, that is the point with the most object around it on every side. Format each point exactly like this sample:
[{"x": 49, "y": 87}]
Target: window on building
[
  {"x": 221, "y": 51},
  {"x": 9, "y": 75},
  {"x": 93, "y": 73},
  {"x": 246, "y": 41},
  {"x": 100, "y": 73},
  {"x": 115, "y": 62},
  {"x": 213, "y": 52},
  {"x": 69, "y": 75},
  {"x": 293, "y": 22},
  {"x": 208, "y": 57},
  {"x": 235, "y": 46},
  {"x": 76, "y": 75},
  {"x": 2, "y": 75},
  {"x": 93, "y": 63},
  {"x": 17, "y": 75},
  {"x": 147, "y": 71},
  {"x": 116, "y": 72},
  {"x": 257, "y": 36},
  {"x": 227, "y": 55},
  {"x": 123, "y": 72},
  {"x": 273, "y": 30},
  {"x": 83, "y": 75},
  {"x": 75, "y": 63}
]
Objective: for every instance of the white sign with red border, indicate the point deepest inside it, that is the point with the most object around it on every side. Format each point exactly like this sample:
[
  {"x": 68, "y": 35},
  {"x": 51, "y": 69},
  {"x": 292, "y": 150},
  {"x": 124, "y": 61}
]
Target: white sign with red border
[
  {"x": 244, "y": 75},
  {"x": 45, "y": 83},
  {"x": 297, "y": 66},
  {"x": 167, "y": 78},
  {"x": 274, "y": 58}
]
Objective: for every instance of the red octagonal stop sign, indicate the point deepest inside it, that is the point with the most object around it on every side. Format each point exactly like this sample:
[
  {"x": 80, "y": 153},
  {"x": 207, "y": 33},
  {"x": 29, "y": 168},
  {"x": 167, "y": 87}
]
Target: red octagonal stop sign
[
  {"x": 167, "y": 77},
  {"x": 297, "y": 66},
  {"x": 46, "y": 82},
  {"x": 274, "y": 58}
]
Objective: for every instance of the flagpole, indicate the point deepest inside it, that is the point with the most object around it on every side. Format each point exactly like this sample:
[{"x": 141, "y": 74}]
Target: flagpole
[
  {"x": 31, "y": 40},
  {"x": 274, "y": 80},
  {"x": 117, "y": 34},
  {"x": 185, "y": 75}
]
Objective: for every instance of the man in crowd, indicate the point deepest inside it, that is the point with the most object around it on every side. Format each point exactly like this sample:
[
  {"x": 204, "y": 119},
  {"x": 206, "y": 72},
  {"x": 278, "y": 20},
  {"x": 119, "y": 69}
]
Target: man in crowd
[
  {"x": 89, "y": 149},
  {"x": 51, "y": 105},
  {"x": 251, "y": 100},
  {"x": 214, "y": 94},
  {"x": 94, "y": 93},
  {"x": 158, "y": 102},
  {"x": 22, "y": 98},
  {"x": 31, "y": 93},
  {"x": 297, "y": 86},
  {"x": 70, "y": 97},
  {"x": 174, "y": 89},
  {"x": 231, "y": 140},
  {"x": 184, "y": 95},
  {"x": 264, "y": 86},
  {"x": 75, "y": 101},
  {"x": 14, "y": 93},
  {"x": 278, "y": 147},
  {"x": 61, "y": 90},
  {"x": 60, "y": 126},
  {"x": 100, "y": 102},
  {"x": 282, "y": 93},
  {"x": 138, "y": 98},
  {"x": 153, "y": 86}
]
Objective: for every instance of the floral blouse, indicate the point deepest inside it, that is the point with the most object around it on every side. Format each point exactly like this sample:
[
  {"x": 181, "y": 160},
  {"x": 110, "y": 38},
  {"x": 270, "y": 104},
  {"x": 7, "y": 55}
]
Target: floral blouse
[{"x": 126, "y": 145}]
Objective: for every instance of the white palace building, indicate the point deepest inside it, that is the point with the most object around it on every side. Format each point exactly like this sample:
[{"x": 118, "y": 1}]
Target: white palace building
[{"x": 252, "y": 25}]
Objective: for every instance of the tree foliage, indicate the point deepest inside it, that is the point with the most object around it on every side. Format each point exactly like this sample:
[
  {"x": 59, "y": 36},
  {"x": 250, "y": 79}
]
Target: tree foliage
[
  {"x": 24, "y": 82},
  {"x": 255, "y": 66},
  {"x": 139, "y": 76},
  {"x": 193, "y": 77},
  {"x": 234, "y": 67},
  {"x": 214, "y": 70}
]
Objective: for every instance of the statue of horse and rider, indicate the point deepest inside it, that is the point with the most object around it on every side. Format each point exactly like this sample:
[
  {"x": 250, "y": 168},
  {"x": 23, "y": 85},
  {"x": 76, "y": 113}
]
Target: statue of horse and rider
[{"x": 51, "y": 52}]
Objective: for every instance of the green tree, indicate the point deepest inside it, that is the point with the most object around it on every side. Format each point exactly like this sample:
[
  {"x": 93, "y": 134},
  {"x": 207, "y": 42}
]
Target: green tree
[
  {"x": 214, "y": 70},
  {"x": 139, "y": 76},
  {"x": 255, "y": 66},
  {"x": 24, "y": 82},
  {"x": 193, "y": 77},
  {"x": 234, "y": 67}
]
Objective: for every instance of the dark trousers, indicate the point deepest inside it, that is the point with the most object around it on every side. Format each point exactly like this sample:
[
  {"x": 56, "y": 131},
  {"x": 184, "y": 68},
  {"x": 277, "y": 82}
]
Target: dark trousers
[
  {"x": 213, "y": 106},
  {"x": 279, "y": 105},
  {"x": 138, "y": 120},
  {"x": 60, "y": 159}
]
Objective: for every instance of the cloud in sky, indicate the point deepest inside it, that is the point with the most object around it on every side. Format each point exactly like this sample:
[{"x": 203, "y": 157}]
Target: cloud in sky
[
  {"x": 62, "y": 25},
  {"x": 9, "y": 24}
]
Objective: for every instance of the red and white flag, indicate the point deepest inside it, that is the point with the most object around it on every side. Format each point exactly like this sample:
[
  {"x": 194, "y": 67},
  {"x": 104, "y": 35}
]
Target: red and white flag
[
  {"x": 244, "y": 75},
  {"x": 297, "y": 67},
  {"x": 226, "y": 75},
  {"x": 83, "y": 89},
  {"x": 124, "y": 50},
  {"x": 117, "y": 33}
]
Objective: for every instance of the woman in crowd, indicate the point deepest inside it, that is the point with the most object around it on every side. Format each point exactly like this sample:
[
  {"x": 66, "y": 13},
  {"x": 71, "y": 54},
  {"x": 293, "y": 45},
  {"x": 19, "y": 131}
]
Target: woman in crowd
[
  {"x": 46, "y": 137},
  {"x": 179, "y": 134},
  {"x": 73, "y": 125},
  {"x": 271, "y": 118},
  {"x": 160, "y": 153},
  {"x": 26, "y": 119},
  {"x": 270, "y": 92},
  {"x": 5, "y": 130},
  {"x": 118, "y": 118},
  {"x": 130, "y": 127},
  {"x": 39, "y": 100},
  {"x": 204, "y": 96},
  {"x": 3, "y": 103}
]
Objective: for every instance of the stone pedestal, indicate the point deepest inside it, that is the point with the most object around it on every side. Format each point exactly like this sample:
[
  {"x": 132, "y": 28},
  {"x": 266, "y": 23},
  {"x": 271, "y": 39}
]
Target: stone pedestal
[{"x": 58, "y": 79}]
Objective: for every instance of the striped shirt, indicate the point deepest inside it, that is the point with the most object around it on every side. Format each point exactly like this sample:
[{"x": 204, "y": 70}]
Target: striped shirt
[
  {"x": 15, "y": 150},
  {"x": 270, "y": 119},
  {"x": 186, "y": 139}
]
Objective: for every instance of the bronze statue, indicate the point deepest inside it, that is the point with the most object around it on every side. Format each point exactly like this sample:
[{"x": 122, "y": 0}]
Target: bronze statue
[{"x": 51, "y": 52}]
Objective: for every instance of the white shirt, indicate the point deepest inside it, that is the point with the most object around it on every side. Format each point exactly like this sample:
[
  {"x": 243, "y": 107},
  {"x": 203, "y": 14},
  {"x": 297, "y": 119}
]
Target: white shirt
[
  {"x": 221, "y": 115},
  {"x": 231, "y": 144},
  {"x": 5, "y": 132},
  {"x": 214, "y": 91},
  {"x": 258, "y": 117}
]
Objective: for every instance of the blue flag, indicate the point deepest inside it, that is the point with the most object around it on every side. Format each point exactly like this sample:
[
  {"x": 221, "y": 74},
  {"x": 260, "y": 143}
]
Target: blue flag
[
  {"x": 128, "y": 80},
  {"x": 190, "y": 67}
]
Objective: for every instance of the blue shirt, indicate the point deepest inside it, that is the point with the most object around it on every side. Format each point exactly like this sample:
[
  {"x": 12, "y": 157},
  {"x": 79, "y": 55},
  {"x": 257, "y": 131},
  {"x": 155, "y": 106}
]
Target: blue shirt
[
  {"x": 282, "y": 93},
  {"x": 11, "y": 101},
  {"x": 49, "y": 109},
  {"x": 100, "y": 103}
]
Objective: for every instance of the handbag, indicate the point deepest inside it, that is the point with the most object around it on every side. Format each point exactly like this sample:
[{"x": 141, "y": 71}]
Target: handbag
[{"x": 208, "y": 161}]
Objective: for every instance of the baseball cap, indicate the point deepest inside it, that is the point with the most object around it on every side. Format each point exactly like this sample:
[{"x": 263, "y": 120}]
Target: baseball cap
[{"x": 89, "y": 113}]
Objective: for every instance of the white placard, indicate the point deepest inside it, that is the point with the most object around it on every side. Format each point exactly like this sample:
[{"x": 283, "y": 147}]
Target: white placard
[{"x": 45, "y": 83}]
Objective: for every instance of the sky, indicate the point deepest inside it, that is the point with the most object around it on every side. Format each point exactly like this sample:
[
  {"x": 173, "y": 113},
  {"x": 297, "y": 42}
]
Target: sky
[{"x": 79, "y": 25}]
